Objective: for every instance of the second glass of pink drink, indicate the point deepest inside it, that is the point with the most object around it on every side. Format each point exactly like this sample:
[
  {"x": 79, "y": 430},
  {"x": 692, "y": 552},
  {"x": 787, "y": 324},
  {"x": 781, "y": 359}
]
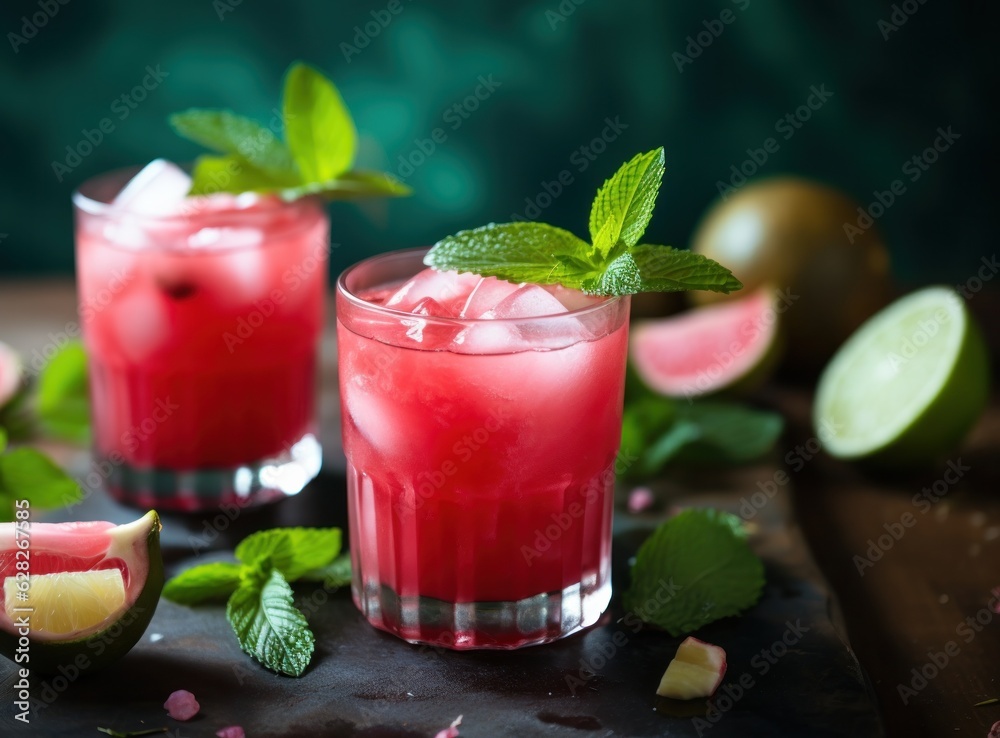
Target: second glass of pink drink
[
  {"x": 201, "y": 320},
  {"x": 481, "y": 422}
]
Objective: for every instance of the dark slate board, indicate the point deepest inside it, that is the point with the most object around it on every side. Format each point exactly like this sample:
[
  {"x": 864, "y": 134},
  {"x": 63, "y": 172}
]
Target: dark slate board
[{"x": 366, "y": 683}]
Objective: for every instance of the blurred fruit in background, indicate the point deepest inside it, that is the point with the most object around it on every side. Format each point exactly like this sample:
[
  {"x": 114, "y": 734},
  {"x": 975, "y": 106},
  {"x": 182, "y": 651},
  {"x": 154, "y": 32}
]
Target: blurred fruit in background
[{"x": 789, "y": 232}]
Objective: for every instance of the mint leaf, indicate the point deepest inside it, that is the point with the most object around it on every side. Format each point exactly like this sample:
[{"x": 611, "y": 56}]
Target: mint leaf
[
  {"x": 293, "y": 551},
  {"x": 351, "y": 185},
  {"x": 268, "y": 626},
  {"x": 26, "y": 473},
  {"x": 624, "y": 204},
  {"x": 318, "y": 126},
  {"x": 620, "y": 277},
  {"x": 728, "y": 433},
  {"x": 215, "y": 581},
  {"x": 335, "y": 574},
  {"x": 63, "y": 403},
  {"x": 705, "y": 566},
  {"x": 131, "y": 733},
  {"x": 659, "y": 431},
  {"x": 227, "y": 133},
  {"x": 517, "y": 252},
  {"x": 666, "y": 269},
  {"x": 233, "y": 173}
]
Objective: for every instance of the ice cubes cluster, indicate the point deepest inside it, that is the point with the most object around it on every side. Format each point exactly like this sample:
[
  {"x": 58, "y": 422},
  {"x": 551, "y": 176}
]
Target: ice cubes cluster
[{"x": 502, "y": 314}]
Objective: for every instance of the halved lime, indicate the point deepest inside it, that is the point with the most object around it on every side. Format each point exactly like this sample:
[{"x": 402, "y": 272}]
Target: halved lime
[
  {"x": 68, "y": 602},
  {"x": 908, "y": 385}
]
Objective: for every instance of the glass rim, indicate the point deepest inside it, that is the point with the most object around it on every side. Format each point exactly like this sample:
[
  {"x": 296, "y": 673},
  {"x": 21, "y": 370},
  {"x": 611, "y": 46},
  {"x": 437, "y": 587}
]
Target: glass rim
[
  {"x": 92, "y": 205},
  {"x": 606, "y": 303}
]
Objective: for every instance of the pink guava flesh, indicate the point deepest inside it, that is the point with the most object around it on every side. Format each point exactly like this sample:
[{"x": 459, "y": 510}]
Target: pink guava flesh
[{"x": 705, "y": 349}]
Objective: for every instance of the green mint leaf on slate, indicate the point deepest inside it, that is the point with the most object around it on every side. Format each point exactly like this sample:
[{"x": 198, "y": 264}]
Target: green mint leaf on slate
[
  {"x": 268, "y": 625},
  {"x": 28, "y": 474},
  {"x": 205, "y": 583},
  {"x": 228, "y": 133},
  {"x": 319, "y": 129},
  {"x": 335, "y": 574},
  {"x": 613, "y": 264},
  {"x": 293, "y": 551},
  {"x": 62, "y": 401},
  {"x": 707, "y": 567},
  {"x": 314, "y": 159},
  {"x": 728, "y": 433},
  {"x": 517, "y": 252},
  {"x": 659, "y": 431},
  {"x": 624, "y": 204}
]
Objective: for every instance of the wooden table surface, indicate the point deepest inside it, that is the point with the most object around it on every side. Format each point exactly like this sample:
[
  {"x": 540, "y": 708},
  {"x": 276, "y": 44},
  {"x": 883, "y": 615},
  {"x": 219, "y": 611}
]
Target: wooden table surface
[{"x": 913, "y": 558}]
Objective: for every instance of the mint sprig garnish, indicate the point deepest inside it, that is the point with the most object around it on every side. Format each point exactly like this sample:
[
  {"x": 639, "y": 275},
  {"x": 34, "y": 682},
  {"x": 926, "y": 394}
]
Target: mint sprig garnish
[
  {"x": 260, "y": 607},
  {"x": 314, "y": 159},
  {"x": 614, "y": 263},
  {"x": 695, "y": 569}
]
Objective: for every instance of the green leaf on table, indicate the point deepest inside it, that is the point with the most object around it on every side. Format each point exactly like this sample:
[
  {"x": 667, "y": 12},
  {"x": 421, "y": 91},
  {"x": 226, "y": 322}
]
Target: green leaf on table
[
  {"x": 335, "y": 574},
  {"x": 613, "y": 264},
  {"x": 624, "y": 203},
  {"x": 659, "y": 431},
  {"x": 693, "y": 570},
  {"x": 268, "y": 625},
  {"x": 204, "y": 583},
  {"x": 28, "y": 474},
  {"x": 728, "y": 433},
  {"x": 62, "y": 401},
  {"x": 227, "y": 133},
  {"x": 318, "y": 126},
  {"x": 293, "y": 551}
]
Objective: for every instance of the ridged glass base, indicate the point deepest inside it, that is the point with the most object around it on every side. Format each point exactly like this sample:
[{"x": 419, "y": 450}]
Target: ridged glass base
[
  {"x": 484, "y": 625},
  {"x": 266, "y": 481}
]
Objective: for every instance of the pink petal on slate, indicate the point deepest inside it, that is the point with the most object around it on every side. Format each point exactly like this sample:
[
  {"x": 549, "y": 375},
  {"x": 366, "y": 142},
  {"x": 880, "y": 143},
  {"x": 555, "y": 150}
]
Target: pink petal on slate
[
  {"x": 181, "y": 705},
  {"x": 451, "y": 731},
  {"x": 233, "y": 731},
  {"x": 639, "y": 499},
  {"x": 995, "y": 730}
]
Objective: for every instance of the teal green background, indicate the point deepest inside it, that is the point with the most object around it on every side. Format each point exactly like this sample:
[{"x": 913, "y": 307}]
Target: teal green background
[{"x": 562, "y": 69}]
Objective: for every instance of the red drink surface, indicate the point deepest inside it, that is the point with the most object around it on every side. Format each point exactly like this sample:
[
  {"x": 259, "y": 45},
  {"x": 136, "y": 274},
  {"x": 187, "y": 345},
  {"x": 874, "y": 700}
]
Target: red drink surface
[
  {"x": 201, "y": 331},
  {"x": 479, "y": 477}
]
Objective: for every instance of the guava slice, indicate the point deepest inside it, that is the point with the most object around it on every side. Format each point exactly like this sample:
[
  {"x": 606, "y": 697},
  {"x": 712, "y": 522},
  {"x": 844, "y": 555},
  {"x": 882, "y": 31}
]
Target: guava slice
[
  {"x": 729, "y": 346},
  {"x": 908, "y": 385},
  {"x": 77, "y": 594}
]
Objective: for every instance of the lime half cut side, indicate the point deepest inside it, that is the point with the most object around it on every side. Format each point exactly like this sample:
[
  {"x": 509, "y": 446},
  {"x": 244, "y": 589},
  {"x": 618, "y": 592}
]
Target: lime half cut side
[{"x": 908, "y": 384}]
